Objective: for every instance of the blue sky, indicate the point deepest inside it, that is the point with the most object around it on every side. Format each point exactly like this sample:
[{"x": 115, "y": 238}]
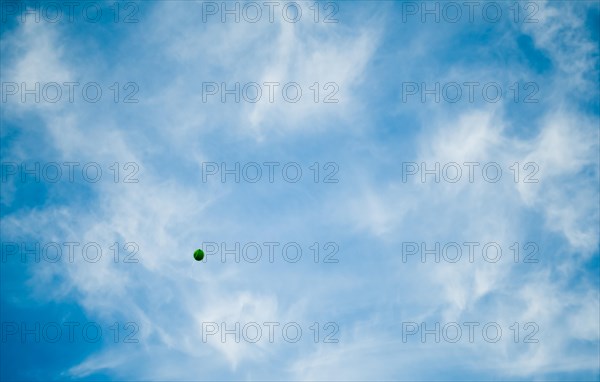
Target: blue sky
[{"x": 165, "y": 140}]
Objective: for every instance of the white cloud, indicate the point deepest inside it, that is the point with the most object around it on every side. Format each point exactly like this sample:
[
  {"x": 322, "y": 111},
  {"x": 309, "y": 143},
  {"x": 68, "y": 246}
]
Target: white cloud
[{"x": 169, "y": 134}]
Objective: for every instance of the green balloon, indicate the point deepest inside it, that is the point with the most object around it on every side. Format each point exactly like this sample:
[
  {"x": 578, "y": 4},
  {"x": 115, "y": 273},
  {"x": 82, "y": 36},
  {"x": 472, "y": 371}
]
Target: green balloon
[{"x": 199, "y": 255}]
